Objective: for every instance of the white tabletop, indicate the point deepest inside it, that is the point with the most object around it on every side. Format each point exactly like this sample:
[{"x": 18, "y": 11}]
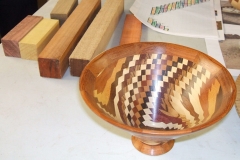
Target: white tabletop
[{"x": 46, "y": 119}]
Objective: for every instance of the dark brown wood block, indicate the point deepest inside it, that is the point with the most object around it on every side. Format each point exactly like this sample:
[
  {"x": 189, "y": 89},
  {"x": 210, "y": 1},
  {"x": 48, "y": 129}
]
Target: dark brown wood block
[
  {"x": 53, "y": 60},
  {"x": 10, "y": 41}
]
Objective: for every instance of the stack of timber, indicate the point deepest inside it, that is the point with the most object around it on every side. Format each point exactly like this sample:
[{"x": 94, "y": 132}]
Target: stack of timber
[
  {"x": 53, "y": 60},
  {"x": 63, "y": 9},
  {"x": 97, "y": 36},
  {"x": 10, "y": 41},
  {"x": 34, "y": 42}
]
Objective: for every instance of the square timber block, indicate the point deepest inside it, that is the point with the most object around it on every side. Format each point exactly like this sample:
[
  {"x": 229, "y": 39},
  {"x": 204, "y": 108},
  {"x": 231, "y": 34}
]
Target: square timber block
[
  {"x": 34, "y": 42},
  {"x": 10, "y": 41},
  {"x": 53, "y": 60},
  {"x": 63, "y": 9},
  {"x": 97, "y": 36},
  {"x": 132, "y": 30}
]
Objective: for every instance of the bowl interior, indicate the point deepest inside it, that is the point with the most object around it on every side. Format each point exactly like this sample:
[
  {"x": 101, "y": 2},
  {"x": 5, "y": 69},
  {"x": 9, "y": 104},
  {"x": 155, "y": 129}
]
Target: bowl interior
[{"x": 157, "y": 86}]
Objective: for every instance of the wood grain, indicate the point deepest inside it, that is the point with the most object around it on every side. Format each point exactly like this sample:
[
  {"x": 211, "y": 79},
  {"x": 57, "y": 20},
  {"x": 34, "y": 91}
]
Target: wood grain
[
  {"x": 97, "y": 36},
  {"x": 34, "y": 42},
  {"x": 131, "y": 33},
  {"x": 63, "y": 9},
  {"x": 157, "y": 91},
  {"x": 237, "y": 103},
  {"x": 53, "y": 60},
  {"x": 12, "y": 38},
  {"x": 153, "y": 150},
  {"x": 132, "y": 30}
]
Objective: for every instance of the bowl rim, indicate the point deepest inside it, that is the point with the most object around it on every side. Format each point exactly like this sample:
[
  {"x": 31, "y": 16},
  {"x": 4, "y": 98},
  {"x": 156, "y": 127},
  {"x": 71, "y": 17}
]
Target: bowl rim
[{"x": 159, "y": 132}]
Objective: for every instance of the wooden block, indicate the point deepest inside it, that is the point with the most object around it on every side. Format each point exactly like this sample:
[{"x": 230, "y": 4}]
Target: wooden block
[
  {"x": 132, "y": 30},
  {"x": 97, "y": 36},
  {"x": 34, "y": 42},
  {"x": 63, "y": 9},
  {"x": 12, "y": 38},
  {"x": 53, "y": 60}
]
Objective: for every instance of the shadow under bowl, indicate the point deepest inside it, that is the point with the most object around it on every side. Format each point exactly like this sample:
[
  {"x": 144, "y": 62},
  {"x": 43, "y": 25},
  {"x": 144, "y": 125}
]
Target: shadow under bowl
[{"x": 157, "y": 92}]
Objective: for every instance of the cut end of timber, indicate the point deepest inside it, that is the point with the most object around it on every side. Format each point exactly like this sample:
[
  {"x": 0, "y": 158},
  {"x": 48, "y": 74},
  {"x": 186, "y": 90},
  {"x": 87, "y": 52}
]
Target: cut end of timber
[
  {"x": 77, "y": 66},
  {"x": 50, "y": 68},
  {"x": 11, "y": 48},
  {"x": 12, "y": 38}
]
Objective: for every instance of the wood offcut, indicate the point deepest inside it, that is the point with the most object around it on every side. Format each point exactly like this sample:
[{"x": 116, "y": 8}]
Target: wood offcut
[
  {"x": 63, "y": 9},
  {"x": 34, "y": 42},
  {"x": 53, "y": 60},
  {"x": 10, "y": 41},
  {"x": 132, "y": 30},
  {"x": 97, "y": 36}
]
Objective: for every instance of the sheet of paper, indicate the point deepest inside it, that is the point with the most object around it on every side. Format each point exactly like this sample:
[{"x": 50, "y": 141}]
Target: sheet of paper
[
  {"x": 190, "y": 18},
  {"x": 219, "y": 21},
  {"x": 227, "y": 52}
]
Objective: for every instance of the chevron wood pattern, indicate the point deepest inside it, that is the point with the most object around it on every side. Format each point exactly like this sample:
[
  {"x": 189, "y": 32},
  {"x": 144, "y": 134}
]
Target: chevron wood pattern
[{"x": 156, "y": 88}]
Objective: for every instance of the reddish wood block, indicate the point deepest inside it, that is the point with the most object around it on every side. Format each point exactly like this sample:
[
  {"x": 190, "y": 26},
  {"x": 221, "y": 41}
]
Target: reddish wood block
[
  {"x": 53, "y": 60},
  {"x": 132, "y": 30},
  {"x": 10, "y": 41}
]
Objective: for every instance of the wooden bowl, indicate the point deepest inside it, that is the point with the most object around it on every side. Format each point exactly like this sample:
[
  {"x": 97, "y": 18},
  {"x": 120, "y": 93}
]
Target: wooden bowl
[{"x": 157, "y": 92}]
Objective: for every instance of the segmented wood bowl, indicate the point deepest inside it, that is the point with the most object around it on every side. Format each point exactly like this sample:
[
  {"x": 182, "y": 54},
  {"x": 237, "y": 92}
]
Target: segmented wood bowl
[{"x": 157, "y": 91}]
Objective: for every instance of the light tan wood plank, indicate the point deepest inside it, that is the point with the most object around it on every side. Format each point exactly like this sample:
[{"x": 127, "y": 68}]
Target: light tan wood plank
[
  {"x": 63, "y": 9},
  {"x": 53, "y": 60},
  {"x": 12, "y": 38},
  {"x": 132, "y": 30},
  {"x": 97, "y": 36},
  {"x": 34, "y": 42}
]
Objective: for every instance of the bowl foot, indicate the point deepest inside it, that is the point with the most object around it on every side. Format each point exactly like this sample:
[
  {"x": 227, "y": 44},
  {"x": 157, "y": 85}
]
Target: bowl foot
[{"x": 153, "y": 150}]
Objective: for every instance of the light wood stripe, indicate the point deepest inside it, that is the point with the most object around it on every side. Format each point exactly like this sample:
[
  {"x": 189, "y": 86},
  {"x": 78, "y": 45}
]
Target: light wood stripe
[{"x": 212, "y": 98}]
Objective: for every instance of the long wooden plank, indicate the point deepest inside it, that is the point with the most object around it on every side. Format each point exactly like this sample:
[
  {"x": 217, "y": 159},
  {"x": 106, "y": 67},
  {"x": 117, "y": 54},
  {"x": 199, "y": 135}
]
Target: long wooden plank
[
  {"x": 10, "y": 41},
  {"x": 53, "y": 60},
  {"x": 34, "y": 42},
  {"x": 132, "y": 30},
  {"x": 97, "y": 36},
  {"x": 63, "y": 9},
  {"x": 237, "y": 103}
]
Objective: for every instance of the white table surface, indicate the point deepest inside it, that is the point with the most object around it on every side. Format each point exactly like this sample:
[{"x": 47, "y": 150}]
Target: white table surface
[{"x": 46, "y": 119}]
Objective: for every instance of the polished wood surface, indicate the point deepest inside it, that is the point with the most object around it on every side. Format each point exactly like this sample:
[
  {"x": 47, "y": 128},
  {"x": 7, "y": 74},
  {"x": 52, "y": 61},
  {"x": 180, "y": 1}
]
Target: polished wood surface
[
  {"x": 157, "y": 91},
  {"x": 10, "y": 41},
  {"x": 132, "y": 30},
  {"x": 237, "y": 103},
  {"x": 53, "y": 60},
  {"x": 97, "y": 36},
  {"x": 152, "y": 149},
  {"x": 63, "y": 9},
  {"x": 34, "y": 42}
]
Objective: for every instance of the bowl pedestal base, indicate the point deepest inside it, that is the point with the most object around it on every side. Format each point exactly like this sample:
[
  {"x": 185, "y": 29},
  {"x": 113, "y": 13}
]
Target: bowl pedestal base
[{"x": 152, "y": 149}]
